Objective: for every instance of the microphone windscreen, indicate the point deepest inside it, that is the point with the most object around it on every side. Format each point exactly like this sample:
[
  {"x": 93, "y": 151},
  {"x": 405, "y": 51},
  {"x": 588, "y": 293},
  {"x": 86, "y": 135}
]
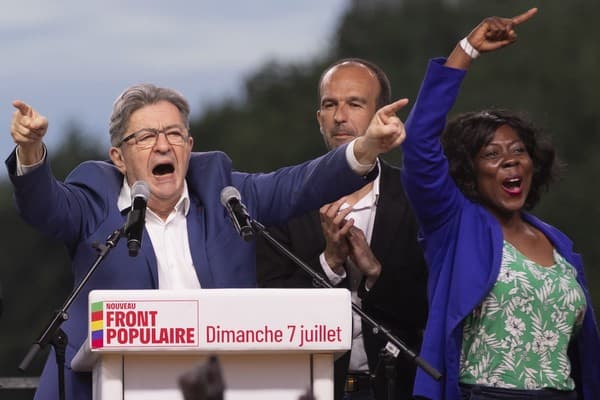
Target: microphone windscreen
[
  {"x": 140, "y": 189},
  {"x": 228, "y": 193}
]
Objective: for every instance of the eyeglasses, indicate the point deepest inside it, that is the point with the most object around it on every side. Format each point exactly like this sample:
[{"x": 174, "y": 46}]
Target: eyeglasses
[{"x": 147, "y": 137}]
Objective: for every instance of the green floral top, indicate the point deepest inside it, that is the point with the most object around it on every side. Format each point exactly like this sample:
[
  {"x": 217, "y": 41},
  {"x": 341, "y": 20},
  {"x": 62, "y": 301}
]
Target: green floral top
[{"x": 519, "y": 335}]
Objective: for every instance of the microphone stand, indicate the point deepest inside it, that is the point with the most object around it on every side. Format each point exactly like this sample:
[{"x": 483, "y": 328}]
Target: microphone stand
[
  {"x": 394, "y": 345},
  {"x": 53, "y": 334}
]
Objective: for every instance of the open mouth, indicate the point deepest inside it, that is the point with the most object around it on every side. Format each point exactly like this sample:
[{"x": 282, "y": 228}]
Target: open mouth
[
  {"x": 512, "y": 185},
  {"x": 163, "y": 169}
]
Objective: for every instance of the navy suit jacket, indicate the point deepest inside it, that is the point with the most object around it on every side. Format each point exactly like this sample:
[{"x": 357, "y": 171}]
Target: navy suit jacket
[{"x": 83, "y": 210}]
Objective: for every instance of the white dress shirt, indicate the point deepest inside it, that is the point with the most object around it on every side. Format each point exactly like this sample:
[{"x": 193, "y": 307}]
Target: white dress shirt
[{"x": 170, "y": 242}]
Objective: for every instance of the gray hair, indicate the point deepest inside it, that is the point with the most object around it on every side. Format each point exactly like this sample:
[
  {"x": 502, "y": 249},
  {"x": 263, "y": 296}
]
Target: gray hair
[{"x": 138, "y": 96}]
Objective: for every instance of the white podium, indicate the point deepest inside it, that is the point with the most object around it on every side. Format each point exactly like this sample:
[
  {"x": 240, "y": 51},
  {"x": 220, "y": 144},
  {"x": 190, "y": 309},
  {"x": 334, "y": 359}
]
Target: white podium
[{"x": 271, "y": 343}]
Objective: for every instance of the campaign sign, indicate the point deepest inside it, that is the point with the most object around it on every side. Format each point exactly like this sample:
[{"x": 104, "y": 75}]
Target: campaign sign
[
  {"x": 220, "y": 320},
  {"x": 140, "y": 323}
]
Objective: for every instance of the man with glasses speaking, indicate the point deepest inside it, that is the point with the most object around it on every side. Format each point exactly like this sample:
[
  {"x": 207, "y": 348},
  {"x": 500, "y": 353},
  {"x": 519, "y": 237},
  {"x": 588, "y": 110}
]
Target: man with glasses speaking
[{"x": 188, "y": 240}]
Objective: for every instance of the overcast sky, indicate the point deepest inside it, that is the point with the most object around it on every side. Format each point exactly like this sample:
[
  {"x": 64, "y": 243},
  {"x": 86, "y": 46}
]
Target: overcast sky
[{"x": 70, "y": 59}]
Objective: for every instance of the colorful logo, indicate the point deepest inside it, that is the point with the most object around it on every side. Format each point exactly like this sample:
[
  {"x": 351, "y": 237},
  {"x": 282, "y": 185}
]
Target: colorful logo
[{"x": 97, "y": 325}]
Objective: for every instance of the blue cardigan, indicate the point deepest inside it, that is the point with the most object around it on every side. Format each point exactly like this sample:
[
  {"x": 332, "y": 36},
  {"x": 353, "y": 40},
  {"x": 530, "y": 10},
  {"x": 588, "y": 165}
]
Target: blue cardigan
[{"x": 463, "y": 246}]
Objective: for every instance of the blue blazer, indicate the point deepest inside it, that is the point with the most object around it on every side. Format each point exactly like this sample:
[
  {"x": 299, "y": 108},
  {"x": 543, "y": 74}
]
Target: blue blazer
[
  {"x": 83, "y": 210},
  {"x": 463, "y": 246}
]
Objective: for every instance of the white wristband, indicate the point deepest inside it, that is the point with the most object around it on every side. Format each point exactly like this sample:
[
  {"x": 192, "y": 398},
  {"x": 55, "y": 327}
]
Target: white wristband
[{"x": 467, "y": 48}]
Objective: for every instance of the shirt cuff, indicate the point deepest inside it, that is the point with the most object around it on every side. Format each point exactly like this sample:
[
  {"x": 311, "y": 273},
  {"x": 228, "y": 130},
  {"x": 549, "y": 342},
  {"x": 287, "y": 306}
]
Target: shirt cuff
[
  {"x": 334, "y": 278},
  {"x": 25, "y": 169},
  {"x": 360, "y": 169}
]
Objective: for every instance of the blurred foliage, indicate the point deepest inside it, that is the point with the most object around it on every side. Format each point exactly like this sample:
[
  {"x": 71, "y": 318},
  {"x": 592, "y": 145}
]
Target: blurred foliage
[
  {"x": 551, "y": 73},
  {"x": 548, "y": 74}
]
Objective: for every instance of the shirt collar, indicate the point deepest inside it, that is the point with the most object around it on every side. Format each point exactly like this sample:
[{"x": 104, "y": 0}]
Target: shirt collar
[
  {"x": 124, "y": 200},
  {"x": 371, "y": 198}
]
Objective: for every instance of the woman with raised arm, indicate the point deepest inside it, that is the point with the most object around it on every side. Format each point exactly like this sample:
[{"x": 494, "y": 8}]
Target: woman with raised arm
[{"x": 510, "y": 312}]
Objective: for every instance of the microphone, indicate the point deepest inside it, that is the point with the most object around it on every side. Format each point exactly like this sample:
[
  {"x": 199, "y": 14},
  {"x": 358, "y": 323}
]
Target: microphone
[
  {"x": 134, "y": 227},
  {"x": 231, "y": 200}
]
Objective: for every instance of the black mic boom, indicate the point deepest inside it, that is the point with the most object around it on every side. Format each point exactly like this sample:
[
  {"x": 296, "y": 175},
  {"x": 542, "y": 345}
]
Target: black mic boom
[
  {"x": 134, "y": 228},
  {"x": 232, "y": 201}
]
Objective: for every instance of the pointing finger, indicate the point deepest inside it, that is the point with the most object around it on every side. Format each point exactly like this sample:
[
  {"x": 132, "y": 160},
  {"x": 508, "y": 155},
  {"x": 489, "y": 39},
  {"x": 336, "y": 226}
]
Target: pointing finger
[
  {"x": 23, "y": 108},
  {"x": 519, "y": 19},
  {"x": 391, "y": 109}
]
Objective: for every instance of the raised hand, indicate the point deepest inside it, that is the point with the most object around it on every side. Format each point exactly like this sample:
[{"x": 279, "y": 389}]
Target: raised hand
[
  {"x": 495, "y": 32},
  {"x": 491, "y": 34},
  {"x": 335, "y": 228},
  {"x": 27, "y": 129},
  {"x": 385, "y": 132}
]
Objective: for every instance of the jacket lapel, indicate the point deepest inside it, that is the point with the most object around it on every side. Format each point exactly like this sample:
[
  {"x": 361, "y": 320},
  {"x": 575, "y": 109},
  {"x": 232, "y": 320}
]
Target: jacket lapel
[
  {"x": 197, "y": 240},
  {"x": 389, "y": 210},
  {"x": 148, "y": 251}
]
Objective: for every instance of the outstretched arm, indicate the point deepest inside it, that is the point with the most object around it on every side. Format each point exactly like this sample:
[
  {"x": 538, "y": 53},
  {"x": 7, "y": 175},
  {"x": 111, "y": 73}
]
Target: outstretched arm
[
  {"x": 491, "y": 34},
  {"x": 432, "y": 192}
]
